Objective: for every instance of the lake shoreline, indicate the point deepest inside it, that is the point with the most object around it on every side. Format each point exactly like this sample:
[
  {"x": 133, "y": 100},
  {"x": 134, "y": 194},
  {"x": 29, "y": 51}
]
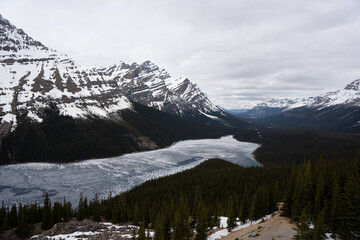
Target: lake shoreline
[{"x": 28, "y": 182}]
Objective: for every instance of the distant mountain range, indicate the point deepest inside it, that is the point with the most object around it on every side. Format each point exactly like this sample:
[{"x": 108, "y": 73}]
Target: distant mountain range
[
  {"x": 338, "y": 111},
  {"x": 38, "y": 83}
]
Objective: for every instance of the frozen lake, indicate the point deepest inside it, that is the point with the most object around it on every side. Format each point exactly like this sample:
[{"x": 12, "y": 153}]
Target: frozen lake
[{"x": 29, "y": 182}]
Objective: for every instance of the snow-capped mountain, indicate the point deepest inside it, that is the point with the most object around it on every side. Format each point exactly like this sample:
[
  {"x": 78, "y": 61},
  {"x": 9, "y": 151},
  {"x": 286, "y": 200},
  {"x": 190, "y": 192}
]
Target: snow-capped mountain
[
  {"x": 34, "y": 77},
  {"x": 349, "y": 96},
  {"x": 152, "y": 86},
  {"x": 54, "y": 110},
  {"x": 339, "y": 110}
]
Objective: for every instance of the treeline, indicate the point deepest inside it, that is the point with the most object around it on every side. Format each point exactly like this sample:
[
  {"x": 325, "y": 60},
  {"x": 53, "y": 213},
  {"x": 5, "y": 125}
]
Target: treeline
[
  {"x": 326, "y": 194},
  {"x": 23, "y": 217},
  {"x": 323, "y": 193},
  {"x": 288, "y": 146},
  {"x": 192, "y": 199},
  {"x": 196, "y": 197}
]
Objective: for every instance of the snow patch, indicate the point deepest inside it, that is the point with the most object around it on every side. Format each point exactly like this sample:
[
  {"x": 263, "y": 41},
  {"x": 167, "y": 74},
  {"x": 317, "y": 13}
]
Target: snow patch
[{"x": 224, "y": 232}]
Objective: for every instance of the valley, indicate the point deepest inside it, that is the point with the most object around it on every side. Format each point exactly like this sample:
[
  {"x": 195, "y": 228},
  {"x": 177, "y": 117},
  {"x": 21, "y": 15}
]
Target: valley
[{"x": 119, "y": 150}]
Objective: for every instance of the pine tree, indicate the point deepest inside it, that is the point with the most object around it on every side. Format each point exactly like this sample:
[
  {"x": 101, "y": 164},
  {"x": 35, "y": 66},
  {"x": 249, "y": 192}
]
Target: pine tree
[
  {"x": 255, "y": 211},
  {"x": 96, "y": 208},
  {"x": 319, "y": 230},
  {"x": 122, "y": 208},
  {"x": 2, "y": 216},
  {"x": 142, "y": 232},
  {"x": 57, "y": 212},
  {"x": 6, "y": 224},
  {"x": 320, "y": 194},
  {"x": 351, "y": 226},
  {"x": 162, "y": 227},
  {"x": 81, "y": 213},
  {"x": 303, "y": 230},
  {"x": 137, "y": 214},
  {"x": 290, "y": 193},
  {"x": 245, "y": 207},
  {"x": 22, "y": 223},
  {"x": 308, "y": 188},
  {"x": 109, "y": 207},
  {"x": 13, "y": 216},
  {"x": 64, "y": 216},
  {"x": 201, "y": 225},
  {"x": 34, "y": 215},
  {"x": 47, "y": 215},
  {"x": 231, "y": 222},
  {"x": 115, "y": 214},
  {"x": 178, "y": 226},
  {"x": 336, "y": 214}
]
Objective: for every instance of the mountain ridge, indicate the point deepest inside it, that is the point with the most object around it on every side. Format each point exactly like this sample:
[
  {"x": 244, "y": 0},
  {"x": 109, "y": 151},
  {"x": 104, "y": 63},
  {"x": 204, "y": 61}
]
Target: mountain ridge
[
  {"x": 54, "y": 110},
  {"x": 33, "y": 77},
  {"x": 336, "y": 110}
]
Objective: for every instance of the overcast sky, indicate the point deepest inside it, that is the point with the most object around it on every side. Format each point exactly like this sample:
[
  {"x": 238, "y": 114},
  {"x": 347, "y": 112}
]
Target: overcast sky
[{"x": 236, "y": 51}]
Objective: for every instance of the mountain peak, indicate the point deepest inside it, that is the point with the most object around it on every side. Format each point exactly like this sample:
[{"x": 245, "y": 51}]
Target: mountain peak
[
  {"x": 355, "y": 85},
  {"x": 149, "y": 66},
  {"x": 14, "y": 39}
]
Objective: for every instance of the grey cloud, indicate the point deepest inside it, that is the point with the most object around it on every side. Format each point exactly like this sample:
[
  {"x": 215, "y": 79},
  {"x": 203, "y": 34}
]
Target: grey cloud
[{"x": 236, "y": 51}]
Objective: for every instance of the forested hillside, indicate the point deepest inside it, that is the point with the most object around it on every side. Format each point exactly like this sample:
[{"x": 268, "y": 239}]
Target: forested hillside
[
  {"x": 66, "y": 139},
  {"x": 323, "y": 193},
  {"x": 288, "y": 146}
]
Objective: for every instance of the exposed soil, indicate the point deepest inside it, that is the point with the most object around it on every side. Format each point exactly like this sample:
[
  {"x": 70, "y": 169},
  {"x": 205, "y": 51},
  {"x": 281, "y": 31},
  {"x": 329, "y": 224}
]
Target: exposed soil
[{"x": 276, "y": 227}]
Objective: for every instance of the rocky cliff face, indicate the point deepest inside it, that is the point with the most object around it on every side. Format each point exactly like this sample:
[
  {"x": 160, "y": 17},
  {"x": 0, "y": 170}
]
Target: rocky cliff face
[{"x": 152, "y": 86}]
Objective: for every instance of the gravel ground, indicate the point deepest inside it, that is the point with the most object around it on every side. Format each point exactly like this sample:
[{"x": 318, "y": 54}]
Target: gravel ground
[{"x": 276, "y": 228}]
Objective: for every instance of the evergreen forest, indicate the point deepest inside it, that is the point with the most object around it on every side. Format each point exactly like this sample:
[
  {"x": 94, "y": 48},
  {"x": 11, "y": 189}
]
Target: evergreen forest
[{"x": 323, "y": 194}]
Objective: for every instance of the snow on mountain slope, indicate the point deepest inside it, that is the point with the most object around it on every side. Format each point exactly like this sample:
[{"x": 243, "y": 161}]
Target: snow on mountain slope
[
  {"x": 150, "y": 85},
  {"x": 34, "y": 78},
  {"x": 336, "y": 111},
  {"x": 349, "y": 96}
]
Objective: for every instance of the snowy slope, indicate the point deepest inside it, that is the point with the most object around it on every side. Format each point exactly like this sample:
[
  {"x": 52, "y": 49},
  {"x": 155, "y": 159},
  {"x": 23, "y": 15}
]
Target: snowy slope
[
  {"x": 338, "y": 111},
  {"x": 349, "y": 96},
  {"x": 35, "y": 78},
  {"x": 152, "y": 86}
]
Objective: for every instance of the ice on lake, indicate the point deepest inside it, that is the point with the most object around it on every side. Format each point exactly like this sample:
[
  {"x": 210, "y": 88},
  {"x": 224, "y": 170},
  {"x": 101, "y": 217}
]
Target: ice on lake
[{"x": 29, "y": 182}]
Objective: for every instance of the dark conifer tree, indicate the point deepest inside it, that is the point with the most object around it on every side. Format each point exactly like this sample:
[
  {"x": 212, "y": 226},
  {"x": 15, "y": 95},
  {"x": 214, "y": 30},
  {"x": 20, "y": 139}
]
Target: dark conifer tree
[
  {"x": 13, "y": 216},
  {"x": 141, "y": 235},
  {"x": 6, "y": 224},
  {"x": 57, "y": 212},
  {"x": 47, "y": 214},
  {"x": 22, "y": 223},
  {"x": 137, "y": 214},
  {"x": 319, "y": 230},
  {"x": 114, "y": 215},
  {"x": 231, "y": 222},
  {"x": 320, "y": 194},
  {"x": 96, "y": 208},
  {"x": 201, "y": 225},
  {"x": 303, "y": 230},
  {"x": 351, "y": 226},
  {"x": 336, "y": 214},
  {"x": 81, "y": 213},
  {"x": 245, "y": 207}
]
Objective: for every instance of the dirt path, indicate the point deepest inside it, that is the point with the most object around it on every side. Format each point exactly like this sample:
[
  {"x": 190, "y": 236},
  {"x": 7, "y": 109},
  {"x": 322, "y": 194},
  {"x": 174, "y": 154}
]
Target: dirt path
[{"x": 275, "y": 227}]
